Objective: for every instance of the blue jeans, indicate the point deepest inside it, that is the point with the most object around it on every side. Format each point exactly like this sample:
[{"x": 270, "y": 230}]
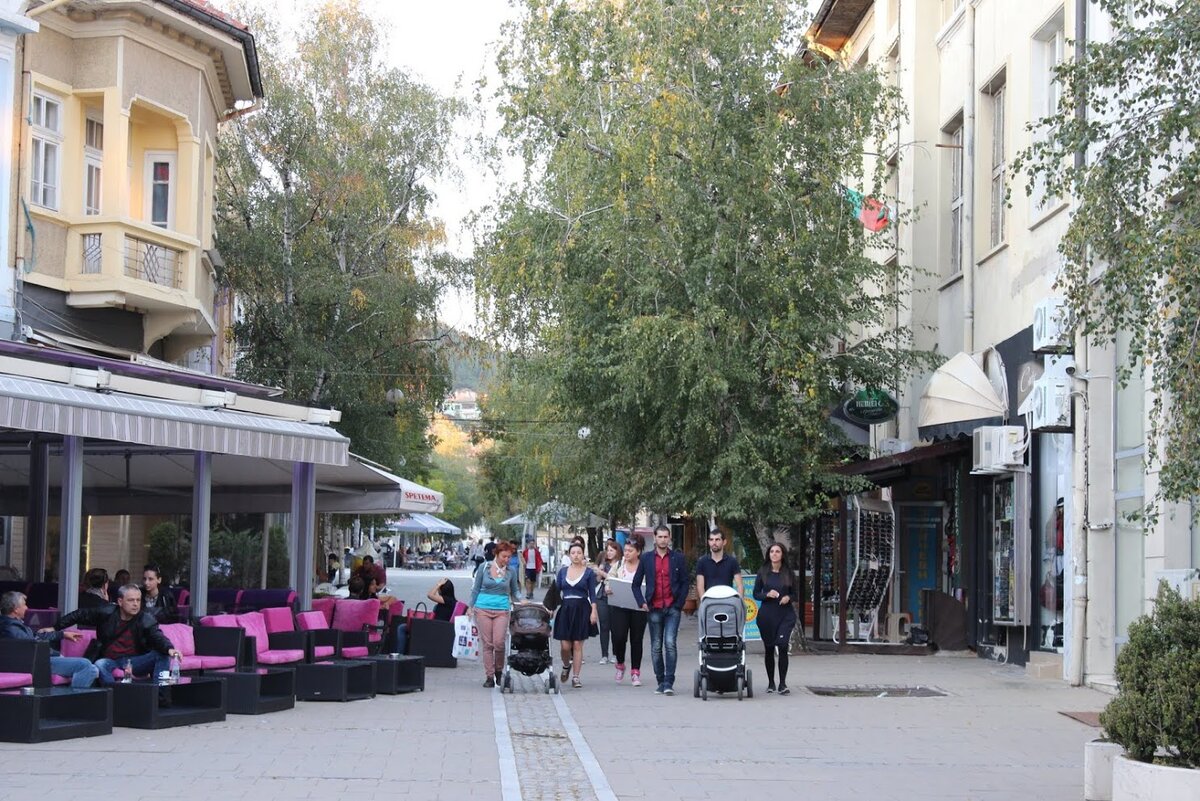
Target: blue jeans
[
  {"x": 81, "y": 672},
  {"x": 151, "y": 663},
  {"x": 664, "y": 626}
]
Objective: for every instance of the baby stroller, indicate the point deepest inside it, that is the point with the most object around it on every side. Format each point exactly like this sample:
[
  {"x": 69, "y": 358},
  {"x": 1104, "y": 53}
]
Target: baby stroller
[
  {"x": 722, "y": 617},
  {"x": 527, "y": 646}
]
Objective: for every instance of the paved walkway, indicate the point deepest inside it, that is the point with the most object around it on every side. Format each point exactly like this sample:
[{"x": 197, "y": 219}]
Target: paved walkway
[{"x": 994, "y": 735}]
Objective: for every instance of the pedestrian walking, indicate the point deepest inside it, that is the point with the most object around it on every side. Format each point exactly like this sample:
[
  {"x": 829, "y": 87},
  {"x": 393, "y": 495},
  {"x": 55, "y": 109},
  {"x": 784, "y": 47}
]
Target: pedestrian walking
[
  {"x": 577, "y": 616},
  {"x": 628, "y": 625},
  {"x": 717, "y": 568},
  {"x": 774, "y": 589},
  {"x": 610, "y": 557},
  {"x": 531, "y": 557},
  {"x": 494, "y": 592},
  {"x": 666, "y": 579}
]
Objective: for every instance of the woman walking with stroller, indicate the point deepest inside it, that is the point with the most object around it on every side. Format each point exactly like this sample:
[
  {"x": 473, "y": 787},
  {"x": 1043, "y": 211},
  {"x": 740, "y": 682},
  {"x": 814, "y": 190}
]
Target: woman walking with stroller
[
  {"x": 628, "y": 625},
  {"x": 774, "y": 590},
  {"x": 495, "y": 590},
  {"x": 577, "y": 614}
]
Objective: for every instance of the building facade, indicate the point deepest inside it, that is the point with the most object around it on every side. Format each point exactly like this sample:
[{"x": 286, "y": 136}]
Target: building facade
[{"x": 1024, "y": 521}]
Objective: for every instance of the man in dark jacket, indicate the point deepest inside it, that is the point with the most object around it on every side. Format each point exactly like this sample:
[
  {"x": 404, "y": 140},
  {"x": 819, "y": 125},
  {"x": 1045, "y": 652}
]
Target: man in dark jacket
[
  {"x": 80, "y": 671},
  {"x": 95, "y": 589},
  {"x": 125, "y": 634},
  {"x": 665, "y": 573}
]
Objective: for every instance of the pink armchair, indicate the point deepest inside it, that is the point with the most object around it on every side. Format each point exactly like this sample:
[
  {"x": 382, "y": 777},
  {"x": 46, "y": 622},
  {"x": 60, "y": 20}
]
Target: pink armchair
[
  {"x": 320, "y": 642},
  {"x": 359, "y": 623},
  {"x": 282, "y": 648}
]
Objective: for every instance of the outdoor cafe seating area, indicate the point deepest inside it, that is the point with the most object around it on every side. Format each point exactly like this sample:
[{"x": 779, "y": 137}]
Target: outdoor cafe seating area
[{"x": 243, "y": 661}]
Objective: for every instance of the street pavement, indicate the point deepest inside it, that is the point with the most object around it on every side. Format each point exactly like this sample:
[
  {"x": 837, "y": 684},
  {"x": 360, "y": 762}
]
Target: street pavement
[{"x": 995, "y": 734}]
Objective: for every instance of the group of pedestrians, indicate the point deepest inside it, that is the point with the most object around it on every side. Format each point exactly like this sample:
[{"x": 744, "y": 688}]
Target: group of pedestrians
[{"x": 660, "y": 582}]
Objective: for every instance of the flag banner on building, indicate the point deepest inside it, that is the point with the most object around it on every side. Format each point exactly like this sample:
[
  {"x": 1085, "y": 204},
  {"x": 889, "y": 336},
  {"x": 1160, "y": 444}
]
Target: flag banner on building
[{"x": 873, "y": 213}]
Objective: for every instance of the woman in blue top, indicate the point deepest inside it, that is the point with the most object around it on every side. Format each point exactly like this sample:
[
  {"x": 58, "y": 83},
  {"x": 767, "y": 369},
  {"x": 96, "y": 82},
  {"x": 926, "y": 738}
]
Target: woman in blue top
[
  {"x": 577, "y": 614},
  {"x": 495, "y": 590}
]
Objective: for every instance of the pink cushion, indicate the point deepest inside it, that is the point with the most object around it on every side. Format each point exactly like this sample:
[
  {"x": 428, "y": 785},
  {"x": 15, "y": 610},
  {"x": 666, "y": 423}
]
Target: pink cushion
[
  {"x": 68, "y": 648},
  {"x": 278, "y": 619},
  {"x": 280, "y": 656},
  {"x": 323, "y": 651},
  {"x": 181, "y": 636},
  {"x": 220, "y": 621},
  {"x": 354, "y": 652},
  {"x": 10, "y": 680},
  {"x": 311, "y": 621},
  {"x": 459, "y": 609},
  {"x": 217, "y": 662},
  {"x": 191, "y": 662},
  {"x": 58, "y": 681},
  {"x": 351, "y": 615},
  {"x": 325, "y": 606},
  {"x": 256, "y": 627}
]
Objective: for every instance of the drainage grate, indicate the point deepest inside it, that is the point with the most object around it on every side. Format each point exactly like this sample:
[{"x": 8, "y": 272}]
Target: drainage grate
[{"x": 877, "y": 691}]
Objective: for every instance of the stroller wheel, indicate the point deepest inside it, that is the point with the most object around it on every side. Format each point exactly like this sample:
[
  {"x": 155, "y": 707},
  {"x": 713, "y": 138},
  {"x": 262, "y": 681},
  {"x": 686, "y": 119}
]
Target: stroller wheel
[
  {"x": 741, "y": 687},
  {"x": 749, "y": 685},
  {"x": 696, "y": 685},
  {"x": 704, "y": 688},
  {"x": 507, "y": 686},
  {"x": 552, "y": 683}
]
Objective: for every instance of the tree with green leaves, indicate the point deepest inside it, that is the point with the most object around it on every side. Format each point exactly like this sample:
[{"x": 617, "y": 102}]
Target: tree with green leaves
[
  {"x": 323, "y": 219},
  {"x": 681, "y": 269},
  {"x": 1131, "y": 254}
]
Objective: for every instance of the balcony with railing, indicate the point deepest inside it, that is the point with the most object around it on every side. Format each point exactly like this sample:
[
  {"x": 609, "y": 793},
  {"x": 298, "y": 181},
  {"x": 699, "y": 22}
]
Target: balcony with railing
[{"x": 153, "y": 262}]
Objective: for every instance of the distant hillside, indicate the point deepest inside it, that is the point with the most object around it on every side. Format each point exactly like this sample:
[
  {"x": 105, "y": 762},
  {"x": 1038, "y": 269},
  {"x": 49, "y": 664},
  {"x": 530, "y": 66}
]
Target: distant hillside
[{"x": 469, "y": 361}]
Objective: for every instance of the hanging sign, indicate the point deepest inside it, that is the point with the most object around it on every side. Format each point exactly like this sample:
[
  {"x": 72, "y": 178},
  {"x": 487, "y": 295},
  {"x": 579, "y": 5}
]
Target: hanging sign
[{"x": 870, "y": 406}]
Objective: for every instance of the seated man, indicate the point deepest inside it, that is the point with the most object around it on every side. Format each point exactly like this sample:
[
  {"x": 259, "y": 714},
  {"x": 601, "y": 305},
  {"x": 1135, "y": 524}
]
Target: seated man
[
  {"x": 124, "y": 633},
  {"x": 80, "y": 671},
  {"x": 95, "y": 589}
]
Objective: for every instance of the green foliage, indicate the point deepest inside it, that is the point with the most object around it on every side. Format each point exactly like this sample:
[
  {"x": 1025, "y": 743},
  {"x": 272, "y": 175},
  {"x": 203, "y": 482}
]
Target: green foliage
[
  {"x": 680, "y": 274},
  {"x": 171, "y": 550},
  {"x": 1131, "y": 254},
  {"x": 322, "y": 208},
  {"x": 235, "y": 558},
  {"x": 459, "y": 484},
  {"x": 1158, "y": 670}
]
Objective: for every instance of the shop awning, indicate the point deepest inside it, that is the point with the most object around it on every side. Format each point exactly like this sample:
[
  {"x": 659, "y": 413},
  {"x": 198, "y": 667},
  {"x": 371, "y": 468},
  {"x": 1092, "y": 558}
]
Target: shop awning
[
  {"x": 31, "y": 405},
  {"x": 886, "y": 470},
  {"x": 421, "y": 523},
  {"x": 966, "y": 392}
]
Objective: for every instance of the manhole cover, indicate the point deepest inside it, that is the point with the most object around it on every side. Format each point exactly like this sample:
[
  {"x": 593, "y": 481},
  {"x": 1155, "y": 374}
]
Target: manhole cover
[{"x": 877, "y": 691}]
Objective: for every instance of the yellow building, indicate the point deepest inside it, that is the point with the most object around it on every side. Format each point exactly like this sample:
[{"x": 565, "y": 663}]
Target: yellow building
[{"x": 115, "y": 170}]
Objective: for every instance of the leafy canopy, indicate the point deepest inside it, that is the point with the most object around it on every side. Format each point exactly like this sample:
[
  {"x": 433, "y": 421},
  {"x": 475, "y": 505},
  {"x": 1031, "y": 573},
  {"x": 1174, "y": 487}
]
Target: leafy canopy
[
  {"x": 1131, "y": 254},
  {"x": 679, "y": 272},
  {"x": 323, "y": 218}
]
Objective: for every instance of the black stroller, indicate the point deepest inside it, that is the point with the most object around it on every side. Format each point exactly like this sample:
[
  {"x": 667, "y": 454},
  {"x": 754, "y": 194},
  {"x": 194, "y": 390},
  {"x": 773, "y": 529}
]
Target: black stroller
[
  {"x": 527, "y": 646},
  {"x": 722, "y": 645}
]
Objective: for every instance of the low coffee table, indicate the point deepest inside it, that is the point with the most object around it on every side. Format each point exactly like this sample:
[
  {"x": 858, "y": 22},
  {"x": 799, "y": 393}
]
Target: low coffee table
[
  {"x": 255, "y": 691},
  {"x": 398, "y": 674},
  {"x": 193, "y": 700},
  {"x": 54, "y": 713},
  {"x": 336, "y": 680}
]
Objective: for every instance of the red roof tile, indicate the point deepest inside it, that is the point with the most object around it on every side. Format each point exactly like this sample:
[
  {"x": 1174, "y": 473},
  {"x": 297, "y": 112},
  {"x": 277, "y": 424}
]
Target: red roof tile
[{"x": 209, "y": 8}]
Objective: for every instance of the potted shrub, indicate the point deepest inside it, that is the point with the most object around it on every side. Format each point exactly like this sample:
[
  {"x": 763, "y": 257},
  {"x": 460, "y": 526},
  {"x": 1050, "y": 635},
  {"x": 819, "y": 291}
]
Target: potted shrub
[{"x": 1155, "y": 716}]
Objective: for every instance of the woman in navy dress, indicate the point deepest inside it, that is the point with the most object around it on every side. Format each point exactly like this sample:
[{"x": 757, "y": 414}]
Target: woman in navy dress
[
  {"x": 774, "y": 590},
  {"x": 577, "y": 613}
]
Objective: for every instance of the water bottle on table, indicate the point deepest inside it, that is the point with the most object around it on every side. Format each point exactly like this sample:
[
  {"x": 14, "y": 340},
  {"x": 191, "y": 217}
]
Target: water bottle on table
[
  {"x": 128, "y": 669},
  {"x": 174, "y": 670}
]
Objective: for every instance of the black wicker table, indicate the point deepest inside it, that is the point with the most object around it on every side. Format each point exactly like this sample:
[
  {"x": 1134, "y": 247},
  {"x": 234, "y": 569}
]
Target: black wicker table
[
  {"x": 54, "y": 713},
  {"x": 336, "y": 680},
  {"x": 256, "y": 691},
  {"x": 140, "y": 704},
  {"x": 398, "y": 673}
]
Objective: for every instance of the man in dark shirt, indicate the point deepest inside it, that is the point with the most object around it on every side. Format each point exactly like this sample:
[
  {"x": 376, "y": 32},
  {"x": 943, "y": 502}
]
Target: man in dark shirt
[
  {"x": 95, "y": 589},
  {"x": 665, "y": 572},
  {"x": 12, "y": 626},
  {"x": 717, "y": 568},
  {"x": 125, "y": 633}
]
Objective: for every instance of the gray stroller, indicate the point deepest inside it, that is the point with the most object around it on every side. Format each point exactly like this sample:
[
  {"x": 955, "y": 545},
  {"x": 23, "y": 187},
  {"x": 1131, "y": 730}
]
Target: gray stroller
[
  {"x": 527, "y": 647},
  {"x": 722, "y": 644}
]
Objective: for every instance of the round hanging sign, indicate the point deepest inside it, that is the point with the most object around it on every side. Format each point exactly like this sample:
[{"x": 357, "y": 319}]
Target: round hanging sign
[{"x": 870, "y": 406}]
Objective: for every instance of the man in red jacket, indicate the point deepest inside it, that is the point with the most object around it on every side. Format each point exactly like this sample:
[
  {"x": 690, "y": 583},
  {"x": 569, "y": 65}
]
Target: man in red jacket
[{"x": 531, "y": 558}]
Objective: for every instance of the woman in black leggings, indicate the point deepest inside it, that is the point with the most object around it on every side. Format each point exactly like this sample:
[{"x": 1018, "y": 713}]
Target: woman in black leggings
[
  {"x": 628, "y": 625},
  {"x": 774, "y": 590}
]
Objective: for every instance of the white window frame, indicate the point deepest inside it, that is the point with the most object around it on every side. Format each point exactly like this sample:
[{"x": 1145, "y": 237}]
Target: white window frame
[
  {"x": 170, "y": 157},
  {"x": 93, "y": 168},
  {"x": 44, "y": 187},
  {"x": 956, "y": 199},
  {"x": 999, "y": 164}
]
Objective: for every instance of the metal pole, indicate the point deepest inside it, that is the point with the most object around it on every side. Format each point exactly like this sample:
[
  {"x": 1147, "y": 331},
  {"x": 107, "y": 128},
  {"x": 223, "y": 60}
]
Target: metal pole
[
  {"x": 304, "y": 521},
  {"x": 39, "y": 508},
  {"x": 843, "y": 556},
  {"x": 70, "y": 518},
  {"x": 201, "y": 520},
  {"x": 266, "y": 549}
]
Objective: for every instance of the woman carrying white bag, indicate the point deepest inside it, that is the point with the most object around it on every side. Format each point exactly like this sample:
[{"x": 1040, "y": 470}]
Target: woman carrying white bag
[{"x": 496, "y": 589}]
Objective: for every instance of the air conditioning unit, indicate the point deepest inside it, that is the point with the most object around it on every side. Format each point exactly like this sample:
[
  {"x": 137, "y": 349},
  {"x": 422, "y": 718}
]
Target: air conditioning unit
[
  {"x": 997, "y": 449},
  {"x": 1050, "y": 404},
  {"x": 1050, "y": 334}
]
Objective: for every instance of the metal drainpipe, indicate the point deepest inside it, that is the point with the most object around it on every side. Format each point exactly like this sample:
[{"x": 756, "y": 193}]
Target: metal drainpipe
[
  {"x": 968, "y": 226},
  {"x": 1079, "y": 542}
]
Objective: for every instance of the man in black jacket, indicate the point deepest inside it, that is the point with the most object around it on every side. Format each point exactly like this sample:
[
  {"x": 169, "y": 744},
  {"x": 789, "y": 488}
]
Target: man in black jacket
[
  {"x": 95, "y": 592},
  {"x": 124, "y": 634},
  {"x": 81, "y": 672}
]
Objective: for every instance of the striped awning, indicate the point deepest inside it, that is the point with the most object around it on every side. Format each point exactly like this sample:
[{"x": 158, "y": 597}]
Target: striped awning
[{"x": 31, "y": 405}]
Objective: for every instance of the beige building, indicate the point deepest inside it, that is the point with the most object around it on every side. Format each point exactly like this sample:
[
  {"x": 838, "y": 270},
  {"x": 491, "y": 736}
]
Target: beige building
[{"x": 1021, "y": 525}]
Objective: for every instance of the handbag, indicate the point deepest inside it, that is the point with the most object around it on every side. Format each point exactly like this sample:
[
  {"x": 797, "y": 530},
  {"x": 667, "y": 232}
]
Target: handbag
[
  {"x": 420, "y": 612},
  {"x": 466, "y": 639},
  {"x": 553, "y": 598}
]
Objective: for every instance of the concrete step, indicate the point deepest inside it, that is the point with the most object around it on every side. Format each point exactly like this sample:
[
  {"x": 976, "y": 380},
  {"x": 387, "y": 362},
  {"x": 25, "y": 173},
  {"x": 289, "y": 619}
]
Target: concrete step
[{"x": 1044, "y": 665}]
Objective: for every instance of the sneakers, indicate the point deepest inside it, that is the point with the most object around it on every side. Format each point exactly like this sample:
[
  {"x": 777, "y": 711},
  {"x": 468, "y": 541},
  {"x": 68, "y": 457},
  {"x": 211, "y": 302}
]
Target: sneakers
[
  {"x": 658, "y": 690},
  {"x": 621, "y": 672},
  {"x": 668, "y": 690},
  {"x": 770, "y": 689},
  {"x": 566, "y": 674},
  {"x": 491, "y": 682},
  {"x": 603, "y": 660},
  {"x": 576, "y": 683},
  {"x": 783, "y": 689},
  {"x": 636, "y": 676}
]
